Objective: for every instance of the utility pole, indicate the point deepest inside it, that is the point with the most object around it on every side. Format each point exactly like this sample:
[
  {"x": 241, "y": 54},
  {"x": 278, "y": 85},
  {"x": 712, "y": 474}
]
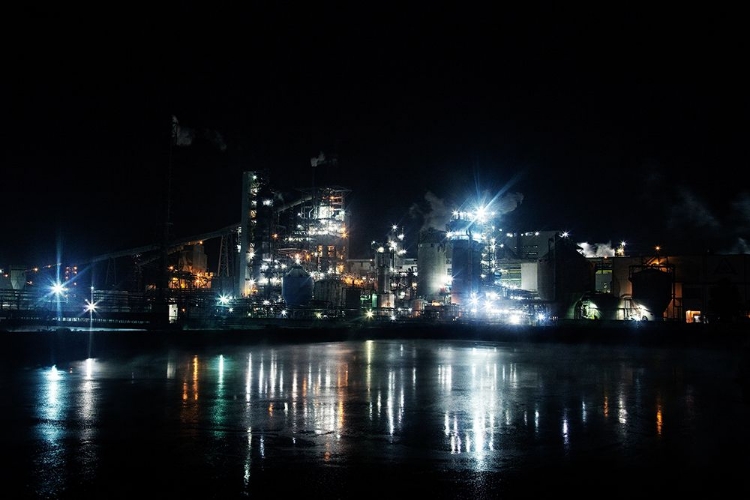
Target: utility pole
[{"x": 162, "y": 275}]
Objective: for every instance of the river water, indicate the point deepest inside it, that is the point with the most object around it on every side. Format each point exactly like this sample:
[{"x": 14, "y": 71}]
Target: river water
[{"x": 378, "y": 418}]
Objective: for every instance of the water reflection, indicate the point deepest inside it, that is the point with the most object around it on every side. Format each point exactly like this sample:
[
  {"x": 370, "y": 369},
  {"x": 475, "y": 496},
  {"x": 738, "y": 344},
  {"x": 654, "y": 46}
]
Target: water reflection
[
  {"x": 476, "y": 407},
  {"x": 66, "y": 424}
]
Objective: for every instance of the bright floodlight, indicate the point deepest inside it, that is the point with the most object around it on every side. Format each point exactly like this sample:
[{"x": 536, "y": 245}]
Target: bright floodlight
[
  {"x": 482, "y": 214},
  {"x": 58, "y": 288}
]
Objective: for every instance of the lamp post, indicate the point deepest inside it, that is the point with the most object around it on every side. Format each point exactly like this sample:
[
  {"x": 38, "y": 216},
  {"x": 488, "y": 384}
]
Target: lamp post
[
  {"x": 58, "y": 290},
  {"x": 90, "y": 307}
]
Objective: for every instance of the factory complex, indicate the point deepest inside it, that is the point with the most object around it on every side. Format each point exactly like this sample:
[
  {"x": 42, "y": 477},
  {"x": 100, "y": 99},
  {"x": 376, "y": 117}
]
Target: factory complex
[{"x": 288, "y": 260}]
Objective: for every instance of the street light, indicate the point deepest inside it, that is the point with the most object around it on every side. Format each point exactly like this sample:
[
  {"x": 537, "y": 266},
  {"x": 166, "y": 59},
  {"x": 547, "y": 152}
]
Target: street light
[
  {"x": 58, "y": 288},
  {"x": 58, "y": 291},
  {"x": 91, "y": 307}
]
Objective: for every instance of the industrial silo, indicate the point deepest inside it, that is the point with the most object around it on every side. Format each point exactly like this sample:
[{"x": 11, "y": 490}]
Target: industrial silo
[
  {"x": 432, "y": 264},
  {"x": 466, "y": 270},
  {"x": 329, "y": 291},
  {"x": 297, "y": 287},
  {"x": 652, "y": 288}
]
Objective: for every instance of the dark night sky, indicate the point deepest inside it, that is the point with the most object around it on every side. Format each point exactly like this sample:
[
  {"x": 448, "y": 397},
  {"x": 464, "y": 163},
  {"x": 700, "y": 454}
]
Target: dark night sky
[{"x": 614, "y": 125}]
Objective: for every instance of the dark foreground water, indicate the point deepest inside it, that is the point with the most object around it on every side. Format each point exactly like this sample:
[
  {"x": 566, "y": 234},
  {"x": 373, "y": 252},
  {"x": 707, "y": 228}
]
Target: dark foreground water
[{"x": 378, "y": 419}]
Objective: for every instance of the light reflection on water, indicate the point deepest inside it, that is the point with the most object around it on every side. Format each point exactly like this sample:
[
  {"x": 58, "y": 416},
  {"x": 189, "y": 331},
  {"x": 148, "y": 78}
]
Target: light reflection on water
[{"x": 478, "y": 406}]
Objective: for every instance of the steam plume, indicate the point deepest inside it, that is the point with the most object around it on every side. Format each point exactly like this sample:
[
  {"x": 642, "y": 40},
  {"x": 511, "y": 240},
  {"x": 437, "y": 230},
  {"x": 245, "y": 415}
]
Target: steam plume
[{"x": 184, "y": 136}]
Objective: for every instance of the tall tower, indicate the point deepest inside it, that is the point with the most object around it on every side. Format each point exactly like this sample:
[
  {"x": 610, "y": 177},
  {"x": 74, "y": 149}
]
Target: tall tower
[
  {"x": 326, "y": 224},
  {"x": 256, "y": 228},
  {"x": 466, "y": 241}
]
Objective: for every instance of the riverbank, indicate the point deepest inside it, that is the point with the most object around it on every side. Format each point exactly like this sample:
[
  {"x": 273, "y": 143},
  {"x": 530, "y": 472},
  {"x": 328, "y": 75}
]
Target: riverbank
[{"x": 54, "y": 345}]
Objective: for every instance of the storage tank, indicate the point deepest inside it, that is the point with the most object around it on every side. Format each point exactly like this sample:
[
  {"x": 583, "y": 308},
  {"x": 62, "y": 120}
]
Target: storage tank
[
  {"x": 297, "y": 287},
  {"x": 418, "y": 306},
  {"x": 386, "y": 301},
  {"x": 466, "y": 270},
  {"x": 432, "y": 262},
  {"x": 330, "y": 291},
  {"x": 652, "y": 289}
]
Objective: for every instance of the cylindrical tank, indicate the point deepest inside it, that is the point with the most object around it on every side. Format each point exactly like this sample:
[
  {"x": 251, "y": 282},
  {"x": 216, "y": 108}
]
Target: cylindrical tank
[
  {"x": 297, "y": 287},
  {"x": 330, "y": 291},
  {"x": 432, "y": 264},
  {"x": 466, "y": 270},
  {"x": 418, "y": 305},
  {"x": 386, "y": 300},
  {"x": 652, "y": 288}
]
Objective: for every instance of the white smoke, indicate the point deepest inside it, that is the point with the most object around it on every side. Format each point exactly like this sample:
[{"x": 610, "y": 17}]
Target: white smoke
[
  {"x": 691, "y": 211},
  {"x": 597, "y": 249},
  {"x": 509, "y": 202},
  {"x": 181, "y": 136},
  {"x": 215, "y": 138},
  {"x": 740, "y": 247},
  {"x": 439, "y": 213},
  {"x": 741, "y": 207},
  {"x": 318, "y": 160},
  {"x": 686, "y": 213},
  {"x": 184, "y": 136}
]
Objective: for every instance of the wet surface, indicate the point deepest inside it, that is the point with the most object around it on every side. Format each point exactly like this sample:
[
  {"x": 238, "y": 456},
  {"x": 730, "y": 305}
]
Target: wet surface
[{"x": 396, "y": 418}]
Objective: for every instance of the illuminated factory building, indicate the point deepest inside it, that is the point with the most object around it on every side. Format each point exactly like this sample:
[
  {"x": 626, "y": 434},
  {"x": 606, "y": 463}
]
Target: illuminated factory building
[
  {"x": 288, "y": 258},
  {"x": 308, "y": 234}
]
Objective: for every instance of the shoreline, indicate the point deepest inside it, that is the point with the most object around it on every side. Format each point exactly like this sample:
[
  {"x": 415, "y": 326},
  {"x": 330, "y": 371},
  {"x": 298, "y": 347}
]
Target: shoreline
[{"x": 64, "y": 344}]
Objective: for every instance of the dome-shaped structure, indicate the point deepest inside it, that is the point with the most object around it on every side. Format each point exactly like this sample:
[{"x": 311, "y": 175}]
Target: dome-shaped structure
[{"x": 297, "y": 287}]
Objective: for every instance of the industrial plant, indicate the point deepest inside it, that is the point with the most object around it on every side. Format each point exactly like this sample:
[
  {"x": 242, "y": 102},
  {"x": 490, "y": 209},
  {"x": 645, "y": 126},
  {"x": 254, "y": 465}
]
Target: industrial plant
[{"x": 287, "y": 260}]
